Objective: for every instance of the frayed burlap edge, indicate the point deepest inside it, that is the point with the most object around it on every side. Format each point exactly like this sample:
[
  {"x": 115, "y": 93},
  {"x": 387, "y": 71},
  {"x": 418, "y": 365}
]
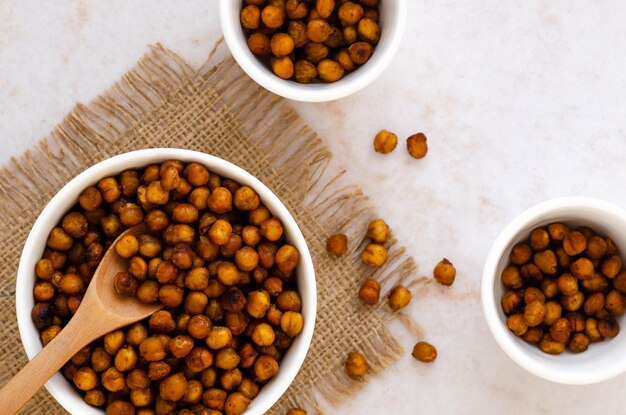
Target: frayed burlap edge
[{"x": 319, "y": 194}]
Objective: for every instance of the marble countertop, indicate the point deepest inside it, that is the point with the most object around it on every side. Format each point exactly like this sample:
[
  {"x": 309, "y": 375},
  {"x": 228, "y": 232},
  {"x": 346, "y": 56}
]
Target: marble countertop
[{"x": 521, "y": 102}]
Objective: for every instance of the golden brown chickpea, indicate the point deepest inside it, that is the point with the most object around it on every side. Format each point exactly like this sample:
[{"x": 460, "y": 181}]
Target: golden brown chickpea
[
  {"x": 90, "y": 199},
  {"x": 574, "y": 243},
  {"x": 283, "y": 67},
  {"x": 170, "y": 175},
  {"x": 250, "y": 17},
  {"x": 198, "y": 359},
  {"x": 148, "y": 292},
  {"x": 368, "y": 30},
  {"x": 593, "y": 303},
  {"x": 315, "y": 52},
  {"x": 611, "y": 266},
  {"x": 173, "y": 388},
  {"x": 591, "y": 330},
  {"x": 539, "y": 239},
  {"x": 615, "y": 303},
  {"x": 59, "y": 240},
  {"x": 236, "y": 404},
  {"x": 214, "y": 398},
  {"x": 246, "y": 258},
  {"x": 576, "y": 321},
  {"x": 258, "y": 303},
  {"x": 180, "y": 346},
  {"x": 141, "y": 397},
  {"x": 265, "y": 368},
  {"x": 109, "y": 189},
  {"x": 131, "y": 214},
  {"x": 220, "y": 232},
  {"x": 546, "y": 261},
  {"x": 374, "y": 255},
  {"x": 416, "y": 145},
  {"x": 272, "y": 17},
  {"x": 281, "y": 45},
  {"x": 166, "y": 272},
  {"x": 296, "y": 411},
  {"x": 95, "y": 397},
  {"x": 296, "y": 9},
  {"x": 227, "y": 359},
  {"x": 520, "y": 254},
  {"x": 75, "y": 224},
  {"x": 357, "y": 365},
  {"x": 553, "y": 312},
  {"x": 378, "y": 230},
  {"x": 619, "y": 282},
  {"x": 369, "y": 292},
  {"x": 162, "y": 322},
  {"x": 608, "y": 327},
  {"x": 274, "y": 314},
  {"x": 534, "y": 313},
  {"x": 71, "y": 284},
  {"x": 219, "y": 337},
  {"x": 568, "y": 284},
  {"x": 259, "y": 44},
  {"x": 193, "y": 393},
  {"x": 350, "y": 13},
  {"x": 228, "y": 274},
  {"x": 199, "y": 197},
  {"x": 129, "y": 181},
  {"x": 445, "y": 272},
  {"x": 49, "y": 334},
  {"x": 324, "y": 7},
  {"x": 318, "y": 30},
  {"x": 231, "y": 379},
  {"x": 335, "y": 38},
  {"x": 424, "y": 352},
  {"x": 43, "y": 291},
  {"x": 196, "y": 174},
  {"x": 85, "y": 379},
  {"x": 510, "y": 302},
  {"x": 100, "y": 360},
  {"x": 329, "y": 70},
  {"x": 517, "y": 324},
  {"x": 557, "y": 231},
  {"x": 596, "y": 247},
  {"x": 120, "y": 408},
  {"x": 560, "y": 330},
  {"x": 271, "y": 229},
  {"x": 125, "y": 359},
  {"x": 384, "y": 142},
  {"x": 220, "y": 201},
  {"x": 196, "y": 302},
  {"x": 572, "y": 302},
  {"x": 579, "y": 343},
  {"x": 44, "y": 269},
  {"x": 199, "y": 326},
  {"x": 249, "y": 388},
  {"x": 511, "y": 277},
  {"x": 155, "y": 194},
  {"x": 596, "y": 283},
  {"x": 185, "y": 213},
  {"x": 263, "y": 335},
  {"x": 399, "y": 297},
  {"x": 113, "y": 380},
  {"x": 551, "y": 346},
  {"x": 136, "y": 334},
  {"x": 549, "y": 288},
  {"x": 297, "y": 31},
  {"x": 287, "y": 258},
  {"x": 337, "y": 244},
  {"x": 343, "y": 57},
  {"x": 152, "y": 349},
  {"x": 305, "y": 72},
  {"x": 292, "y": 323},
  {"x": 533, "y": 335},
  {"x": 127, "y": 246},
  {"x": 372, "y": 14},
  {"x": 350, "y": 35}
]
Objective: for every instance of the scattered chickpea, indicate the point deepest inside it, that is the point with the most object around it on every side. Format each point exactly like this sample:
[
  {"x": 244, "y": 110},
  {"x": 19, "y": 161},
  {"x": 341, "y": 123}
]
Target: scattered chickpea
[
  {"x": 370, "y": 292},
  {"x": 424, "y": 352},
  {"x": 374, "y": 255},
  {"x": 337, "y": 244},
  {"x": 399, "y": 297},
  {"x": 444, "y": 272},
  {"x": 417, "y": 146},
  {"x": 357, "y": 365}
]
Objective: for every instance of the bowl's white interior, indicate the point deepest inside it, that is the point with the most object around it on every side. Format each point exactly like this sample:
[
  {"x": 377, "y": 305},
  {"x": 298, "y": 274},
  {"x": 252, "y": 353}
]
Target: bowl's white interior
[
  {"x": 602, "y": 360},
  {"x": 392, "y": 21},
  {"x": 67, "y": 197}
]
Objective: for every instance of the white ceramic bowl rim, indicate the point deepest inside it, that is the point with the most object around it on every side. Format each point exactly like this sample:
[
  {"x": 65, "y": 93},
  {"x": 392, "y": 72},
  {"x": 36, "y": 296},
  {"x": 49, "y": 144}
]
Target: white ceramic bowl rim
[
  {"x": 58, "y": 387},
  {"x": 514, "y": 347},
  {"x": 391, "y": 37}
]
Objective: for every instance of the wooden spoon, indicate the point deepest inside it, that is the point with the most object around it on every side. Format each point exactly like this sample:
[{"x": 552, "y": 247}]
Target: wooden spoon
[{"x": 101, "y": 311}]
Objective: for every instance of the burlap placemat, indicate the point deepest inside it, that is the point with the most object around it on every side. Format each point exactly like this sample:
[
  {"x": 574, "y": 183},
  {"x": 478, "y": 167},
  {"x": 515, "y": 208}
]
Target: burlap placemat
[{"x": 164, "y": 102}]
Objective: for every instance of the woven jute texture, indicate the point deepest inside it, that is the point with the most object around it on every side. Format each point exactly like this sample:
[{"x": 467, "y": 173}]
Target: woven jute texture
[{"x": 164, "y": 102}]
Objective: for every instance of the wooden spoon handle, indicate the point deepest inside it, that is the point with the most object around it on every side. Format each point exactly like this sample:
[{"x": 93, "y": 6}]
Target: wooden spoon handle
[{"x": 36, "y": 373}]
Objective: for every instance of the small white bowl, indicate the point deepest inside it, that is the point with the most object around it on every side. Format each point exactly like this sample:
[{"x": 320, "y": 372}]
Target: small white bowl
[
  {"x": 35, "y": 244},
  {"x": 392, "y": 22},
  {"x": 602, "y": 360}
]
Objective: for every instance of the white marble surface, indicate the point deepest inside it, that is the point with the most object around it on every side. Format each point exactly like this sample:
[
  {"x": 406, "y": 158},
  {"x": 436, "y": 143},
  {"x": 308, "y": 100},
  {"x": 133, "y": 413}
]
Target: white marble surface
[{"x": 521, "y": 101}]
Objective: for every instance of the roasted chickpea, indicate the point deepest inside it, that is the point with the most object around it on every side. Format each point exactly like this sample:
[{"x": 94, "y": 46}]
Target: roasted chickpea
[
  {"x": 510, "y": 302},
  {"x": 596, "y": 283},
  {"x": 374, "y": 255},
  {"x": 517, "y": 324},
  {"x": 148, "y": 292},
  {"x": 258, "y": 303},
  {"x": 593, "y": 303},
  {"x": 576, "y": 321},
  {"x": 85, "y": 379},
  {"x": 520, "y": 254},
  {"x": 611, "y": 266},
  {"x": 553, "y": 312},
  {"x": 263, "y": 334},
  {"x": 511, "y": 277},
  {"x": 608, "y": 327},
  {"x": 125, "y": 359},
  {"x": 596, "y": 247},
  {"x": 49, "y": 334},
  {"x": 445, "y": 272},
  {"x": 533, "y": 335},
  {"x": 90, "y": 199},
  {"x": 198, "y": 359},
  {"x": 75, "y": 224},
  {"x": 43, "y": 291},
  {"x": 337, "y": 244},
  {"x": 531, "y": 274},
  {"x": 572, "y": 302},
  {"x": 199, "y": 326},
  {"x": 318, "y": 30},
  {"x": 220, "y": 232},
  {"x": 539, "y": 239},
  {"x": 378, "y": 230},
  {"x": 120, "y": 408},
  {"x": 219, "y": 337},
  {"x": 227, "y": 359},
  {"x": 534, "y": 313},
  {"x": 152, "y": 349},
  {"x": 551, "y": 346},
  {"x": 44, "y": 269},
  {"x": 579, "y": 343},
  {"x": 129, "y": 182},
  {"x": 560, "y": 330},
  {"x": 416, "y": 145},
  {"x": 557, "y": 231},
  {"x": 131, "y": 214},
  {"x": 315, "y": 52},
  {"x": 568, "y": 284},
  {"x": 113, "y": 380},
  {"x": 399, "y": 297},
  {"x": 296, "y": 9},
  {"x": 272, "y": 16},
  {"x": 350, "y": 35},
  {"x": 283, "y": 67},
  {"x": 549, "y": 288},
  {"x": 357, "y": 365},
  {"x": 574, "y": 243},
  {"x": 281, "y": 45},
  {"x": 546, "y": 261},
  {"x": 591, "y": 330},
  {"x": 350, "y": 13},
  {"x": 287, "y": 258},
  {"x": 59, "y": 240},
  {"x": 259, "y": 44},
  {"x": 265, "y": 368},
  {"x": 369, "y": 292},
  {"x": 292, "y": 323},
  {"x": 305, "y": 71},
  {"x": 329, "y": 70},
  {"x": 250, "y": 17},
  {"x": 615, "y": 303},
  {"x": 95, "y": 397},
  {"x": 214, "y": 398}
]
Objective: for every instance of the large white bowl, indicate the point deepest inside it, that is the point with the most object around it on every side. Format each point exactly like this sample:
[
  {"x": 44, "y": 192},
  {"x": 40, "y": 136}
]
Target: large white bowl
[
  {"x": 392, "y": 22},
  {"x": 602, "y": 360},
  {"x": 68, "y": 196}
]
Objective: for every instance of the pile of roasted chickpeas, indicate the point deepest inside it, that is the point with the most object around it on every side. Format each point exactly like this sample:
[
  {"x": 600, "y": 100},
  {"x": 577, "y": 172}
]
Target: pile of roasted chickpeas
[
  {"x": 312, "y": 39},
  {"x": 565, "y": 287},
  {"x": 213, "y": 255}
]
